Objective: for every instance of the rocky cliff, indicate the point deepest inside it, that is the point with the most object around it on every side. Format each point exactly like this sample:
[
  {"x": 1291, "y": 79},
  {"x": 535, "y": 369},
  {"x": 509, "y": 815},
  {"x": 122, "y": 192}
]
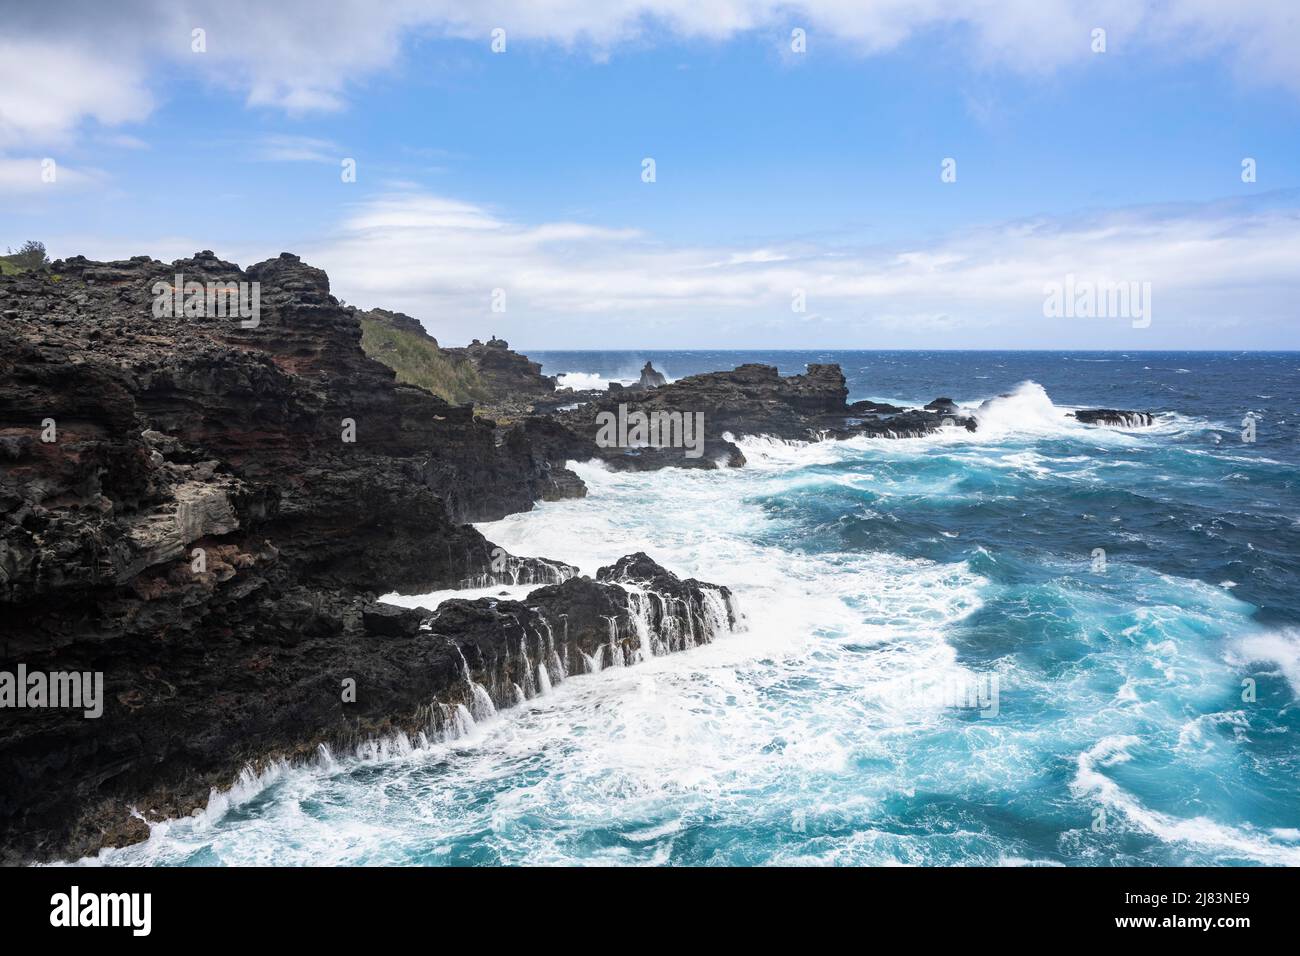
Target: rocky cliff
[
  {"x": 203, "y": 508},
  {"x": 502, "y": 384},
  {"x": 755, "y": 399},
  {"x": 402, "y": 343},
  {"x": 203, "y": 504},
  {"x": 510, "y": 378},
  {"x": 749, "y": 400},
  {"x": 650, "y": 378}
]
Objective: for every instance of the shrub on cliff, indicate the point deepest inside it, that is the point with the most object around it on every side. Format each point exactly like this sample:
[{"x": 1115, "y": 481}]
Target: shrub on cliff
[
  {"x": 30, "y": 256},
  {"x": 417, "y": 360}
]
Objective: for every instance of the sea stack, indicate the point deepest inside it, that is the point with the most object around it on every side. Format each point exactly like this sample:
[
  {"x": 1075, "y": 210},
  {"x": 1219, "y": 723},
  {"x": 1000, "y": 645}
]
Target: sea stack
[{"x": 650, "y": 378}]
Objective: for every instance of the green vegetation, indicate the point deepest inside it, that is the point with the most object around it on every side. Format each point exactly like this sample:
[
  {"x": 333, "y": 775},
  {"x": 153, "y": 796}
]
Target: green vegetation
[
  {"x": 418, "y": 361},
  {"x": 30, "y": 256}
]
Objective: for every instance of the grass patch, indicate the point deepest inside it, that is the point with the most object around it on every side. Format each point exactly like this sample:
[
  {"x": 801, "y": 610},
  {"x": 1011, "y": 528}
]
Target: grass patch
[{"x": 417, "y": 361}]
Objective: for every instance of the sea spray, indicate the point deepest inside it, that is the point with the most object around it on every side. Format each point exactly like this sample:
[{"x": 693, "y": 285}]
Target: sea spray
[{"x": 865, "y": 566}]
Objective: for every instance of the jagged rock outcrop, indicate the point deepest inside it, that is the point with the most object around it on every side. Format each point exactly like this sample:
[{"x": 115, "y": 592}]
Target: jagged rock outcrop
[
  {"x": 754, "y": 400},
  {"x": 514, "y": 382},
  {"x": 905, "y": 423},
  {"x": 750, "y": 400},
  {"x": 650, "y": 378},
  {"x": 866, "y": 407},
  {"x": 1123, "y": 418},
  {"x": 399, "y": 321},
  {"x": 504, "y": 652},
  {"x": 203, "y": 509},
  {"x": 500, "y": 383},
  {"x": 550, "y": 444}
]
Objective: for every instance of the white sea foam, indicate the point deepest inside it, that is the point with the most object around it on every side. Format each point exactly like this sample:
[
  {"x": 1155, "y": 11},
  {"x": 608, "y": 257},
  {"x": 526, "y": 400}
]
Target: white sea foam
[
  {"x": 582, "y": 381},
  {"x": 808, "y": 725},
  {"x": 512, "y": 592},
  {"x": 750, "y": 707},
  {"x": 778, "y": 454},
  {"x": 1026, "y": 408},
  {"x": 1280, "y": 648},
  {"x": 588, "y": 380},
  {"x": 1241, "y": 842}
]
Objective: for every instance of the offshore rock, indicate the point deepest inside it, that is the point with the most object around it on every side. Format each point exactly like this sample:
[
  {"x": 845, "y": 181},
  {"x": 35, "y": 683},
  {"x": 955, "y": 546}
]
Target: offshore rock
[
  {"x": 649, "y": 379},
  {"x": 755, "y": 400},
  {"x": 1122, "y": 418},
  {"x": 500, "y": 653}
]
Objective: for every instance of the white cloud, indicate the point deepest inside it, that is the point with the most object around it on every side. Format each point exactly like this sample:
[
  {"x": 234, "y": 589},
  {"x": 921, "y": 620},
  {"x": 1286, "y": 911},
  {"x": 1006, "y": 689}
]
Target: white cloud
[
  {"x": 48, "y": 87},
  {"x": 297, "y": 149},
  {"x": 568, "y": 284},
  {"x": 65, "y": 62},
  {"x": 123, "y": 141}
]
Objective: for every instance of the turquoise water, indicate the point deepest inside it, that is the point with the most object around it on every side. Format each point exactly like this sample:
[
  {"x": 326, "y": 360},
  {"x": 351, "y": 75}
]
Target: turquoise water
[{"x": 939, "y": 667}]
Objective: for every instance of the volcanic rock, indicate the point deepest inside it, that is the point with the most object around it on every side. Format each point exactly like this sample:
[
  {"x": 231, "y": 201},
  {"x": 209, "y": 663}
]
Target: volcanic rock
[
  {"x": 505, "y": 652},
  {"x": 649, "y": 379},
  {"x": 203, "y": 511},
  {"x": 754, "y": 400},
  {"x": 513, "y": 380},
  {"x": 1122, "y": 418}
]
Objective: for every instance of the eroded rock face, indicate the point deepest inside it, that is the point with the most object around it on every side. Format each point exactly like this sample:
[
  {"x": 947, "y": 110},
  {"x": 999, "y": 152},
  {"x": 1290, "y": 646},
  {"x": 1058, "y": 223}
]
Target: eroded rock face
[
  {"x": 753, "y": 400},
  {"x": 499, "y": 382},
  {"x": 400, "y": 321},
  {"x": 203, "y": 510},
  {"x": 650, "y": 378},
  {"x": 514, "y": 381},
  {"x": 511, "y": 651},
  {"x": 1123, "y": 418}
]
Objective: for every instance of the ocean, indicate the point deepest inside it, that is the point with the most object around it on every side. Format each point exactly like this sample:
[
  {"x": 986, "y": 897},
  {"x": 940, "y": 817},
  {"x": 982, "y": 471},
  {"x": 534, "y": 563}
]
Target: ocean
[{"x": 1039, "y": 643}]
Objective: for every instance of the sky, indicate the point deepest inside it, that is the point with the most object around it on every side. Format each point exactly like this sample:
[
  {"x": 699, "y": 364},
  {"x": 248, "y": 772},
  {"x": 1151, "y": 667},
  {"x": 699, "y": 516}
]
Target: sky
[{"x": 826, "y": 174}]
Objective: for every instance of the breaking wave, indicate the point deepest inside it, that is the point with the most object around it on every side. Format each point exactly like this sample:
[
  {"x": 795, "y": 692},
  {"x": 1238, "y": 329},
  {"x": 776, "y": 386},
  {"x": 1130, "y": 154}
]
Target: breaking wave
[{"x": 888, "y": 586}]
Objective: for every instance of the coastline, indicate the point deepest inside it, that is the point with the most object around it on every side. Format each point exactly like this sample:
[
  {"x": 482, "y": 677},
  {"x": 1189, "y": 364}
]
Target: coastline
[{"x": 297, "y": 565}]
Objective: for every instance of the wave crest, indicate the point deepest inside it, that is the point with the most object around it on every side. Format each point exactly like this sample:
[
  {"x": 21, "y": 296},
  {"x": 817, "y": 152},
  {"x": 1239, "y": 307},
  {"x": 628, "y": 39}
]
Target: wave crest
[{"x": 1027, "y": 407}]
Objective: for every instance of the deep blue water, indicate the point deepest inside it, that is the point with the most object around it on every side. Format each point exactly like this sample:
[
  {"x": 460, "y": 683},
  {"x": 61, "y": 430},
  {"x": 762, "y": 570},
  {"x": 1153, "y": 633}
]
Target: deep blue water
[
  {"x": 1145, "y": 700},
  {"x": 1233, "y": 513}
]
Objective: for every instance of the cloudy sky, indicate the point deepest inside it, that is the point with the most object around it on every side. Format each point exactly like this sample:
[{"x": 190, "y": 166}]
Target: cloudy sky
[{"x": 798, "y": 198}]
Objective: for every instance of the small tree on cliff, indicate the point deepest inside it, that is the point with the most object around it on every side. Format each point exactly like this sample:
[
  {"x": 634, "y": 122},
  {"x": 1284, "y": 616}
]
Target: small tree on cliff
[{"x": 30, "y": 256}]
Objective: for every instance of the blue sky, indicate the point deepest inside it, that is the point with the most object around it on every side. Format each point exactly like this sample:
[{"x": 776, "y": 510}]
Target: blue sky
[{"x": 780, "y": 176}]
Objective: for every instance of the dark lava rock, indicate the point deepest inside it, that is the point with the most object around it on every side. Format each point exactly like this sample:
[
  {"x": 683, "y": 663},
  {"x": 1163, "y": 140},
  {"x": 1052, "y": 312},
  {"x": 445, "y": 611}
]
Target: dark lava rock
[
  {"x": 649, "y": 379},
  {"x": 510, "y": 377},
  {"x": 388, "y": 620},
  {"x": 865, "y": 407},
  {"x": 755, "y": 400},
  {"x": 750, "y": 400},
  {"x": 1114, "y": 416},
  {"x": 505, "y": 652},
  {"x": 202, "y": 531},
  {"x": 944, "y": 406}
]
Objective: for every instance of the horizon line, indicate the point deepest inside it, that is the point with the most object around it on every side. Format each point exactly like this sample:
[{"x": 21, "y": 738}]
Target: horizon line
[{"x": 846, "y": 349}]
